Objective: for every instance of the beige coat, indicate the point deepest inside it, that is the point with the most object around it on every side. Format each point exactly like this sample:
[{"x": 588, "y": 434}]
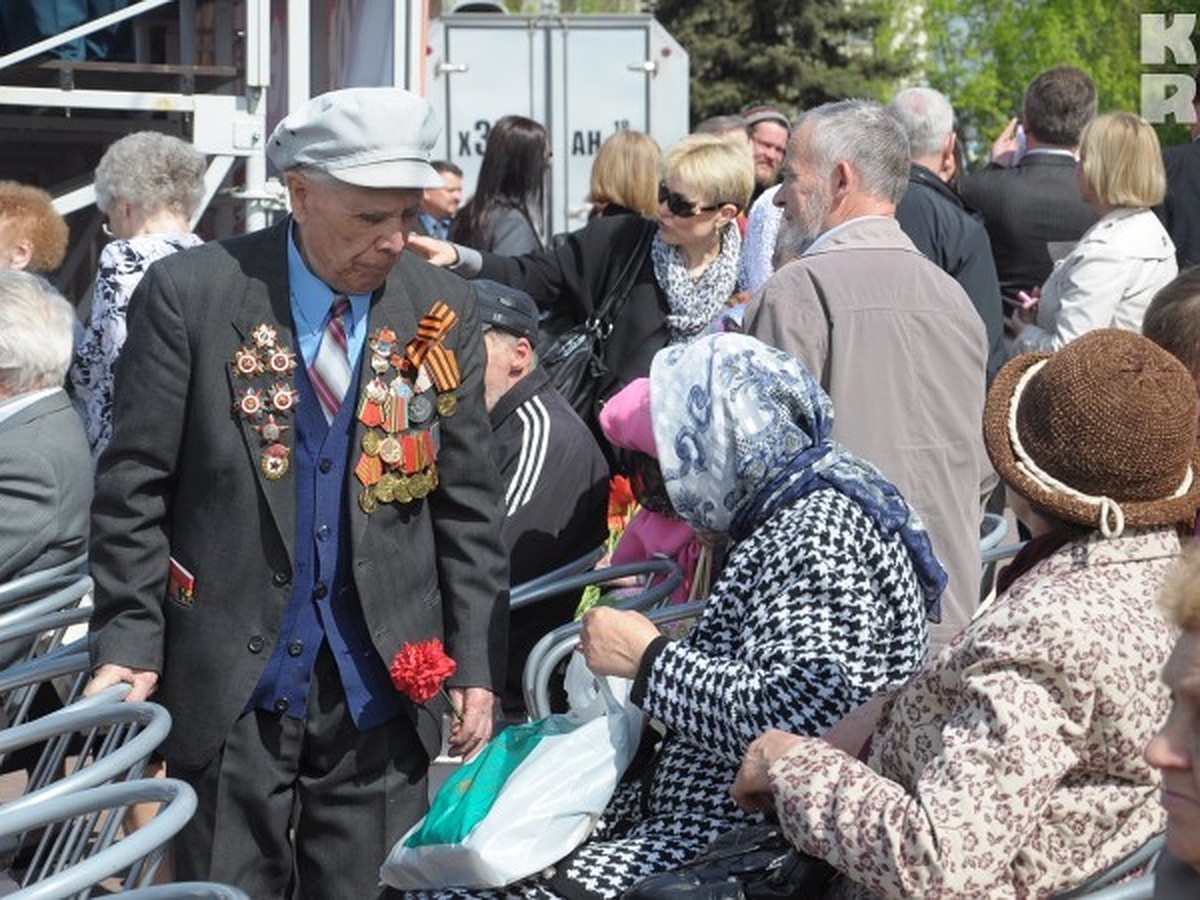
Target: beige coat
[
  {"x": 898, "y": 346},
  {"x": 1010, "y": 767}
]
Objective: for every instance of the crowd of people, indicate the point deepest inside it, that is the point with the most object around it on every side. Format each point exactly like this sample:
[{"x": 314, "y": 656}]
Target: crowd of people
[{"x": 292, "y": 452}]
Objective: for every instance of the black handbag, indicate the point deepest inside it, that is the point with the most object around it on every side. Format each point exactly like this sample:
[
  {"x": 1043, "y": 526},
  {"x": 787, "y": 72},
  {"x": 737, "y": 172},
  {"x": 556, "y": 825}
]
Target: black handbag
[
  {"x": 575, "y": 361},
  {"x": 744, "y": 864}
]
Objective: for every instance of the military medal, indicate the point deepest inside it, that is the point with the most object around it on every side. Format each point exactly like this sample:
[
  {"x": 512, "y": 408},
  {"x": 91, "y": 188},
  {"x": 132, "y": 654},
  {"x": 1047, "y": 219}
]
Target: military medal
[
  {"x": 390, "y": 451},
  {"x": 274, "y": 461},
  {"x": 283, "y": 397},
  {"x": 250, "y": 402},
  {"x": 266, "y": 406},
  {"x": 411, "y": 386},
  {"x": 263, "y": 336},
  {"x": 420, "y": 409},
  {"x": 282, "y": 361},
  {"x": 246, "y": 363}
]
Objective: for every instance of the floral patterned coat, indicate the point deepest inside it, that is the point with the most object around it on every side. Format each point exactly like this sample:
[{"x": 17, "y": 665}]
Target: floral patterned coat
[{"x": 1011, "y": 765}]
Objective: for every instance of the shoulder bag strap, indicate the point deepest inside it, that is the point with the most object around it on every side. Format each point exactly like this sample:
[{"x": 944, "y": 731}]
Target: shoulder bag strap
[{"x": 600, "y": 322}]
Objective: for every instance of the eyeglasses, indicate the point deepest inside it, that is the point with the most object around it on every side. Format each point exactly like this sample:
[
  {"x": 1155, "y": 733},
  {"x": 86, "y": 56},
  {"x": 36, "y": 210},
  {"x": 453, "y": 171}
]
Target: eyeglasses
[{"x": 679, "y": 205}]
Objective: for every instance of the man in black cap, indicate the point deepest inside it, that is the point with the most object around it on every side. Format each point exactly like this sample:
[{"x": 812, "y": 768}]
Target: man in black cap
[{"x": 554, "y": 475}]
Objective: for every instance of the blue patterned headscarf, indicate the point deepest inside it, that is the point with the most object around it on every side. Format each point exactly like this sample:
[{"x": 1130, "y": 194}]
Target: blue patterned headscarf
[{"x": 742, "y": 430}]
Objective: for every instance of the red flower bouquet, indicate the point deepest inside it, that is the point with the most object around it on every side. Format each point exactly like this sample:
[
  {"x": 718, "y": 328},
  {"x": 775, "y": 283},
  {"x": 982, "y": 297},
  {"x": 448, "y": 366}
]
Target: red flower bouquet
[{"x": 420, "y": 670}]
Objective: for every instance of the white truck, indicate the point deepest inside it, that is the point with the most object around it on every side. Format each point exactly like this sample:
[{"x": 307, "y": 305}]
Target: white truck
[{"x": 584, "y": 77}]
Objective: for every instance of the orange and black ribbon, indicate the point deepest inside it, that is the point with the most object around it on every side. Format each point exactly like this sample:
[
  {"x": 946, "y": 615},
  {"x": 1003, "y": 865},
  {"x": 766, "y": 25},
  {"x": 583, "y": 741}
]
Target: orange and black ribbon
[{"x": 432, "y": 328}]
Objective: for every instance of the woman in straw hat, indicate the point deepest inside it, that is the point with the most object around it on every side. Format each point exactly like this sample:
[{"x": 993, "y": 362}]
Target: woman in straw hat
[{"x": 1010, "y": 765}]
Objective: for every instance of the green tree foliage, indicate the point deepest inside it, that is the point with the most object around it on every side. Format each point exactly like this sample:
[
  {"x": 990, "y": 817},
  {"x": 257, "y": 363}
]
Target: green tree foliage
[
  {"x": 982, "y": 55},
  {"x": 793, "y": 53}
]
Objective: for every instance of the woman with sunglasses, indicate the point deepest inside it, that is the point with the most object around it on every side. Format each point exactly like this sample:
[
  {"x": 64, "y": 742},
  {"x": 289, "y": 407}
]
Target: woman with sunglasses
[{"x": 681, "y": 285}]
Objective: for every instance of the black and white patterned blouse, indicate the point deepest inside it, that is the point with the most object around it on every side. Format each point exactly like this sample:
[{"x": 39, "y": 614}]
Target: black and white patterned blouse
[
  {"x": 122, "y": 265},
  {"x": 814, "y": 613}
]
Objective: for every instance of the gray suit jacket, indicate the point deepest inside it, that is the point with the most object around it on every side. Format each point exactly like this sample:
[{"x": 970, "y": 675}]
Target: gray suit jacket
[
  {"x": 182, "y": 477},
  {"x": 45, "y": 487}
]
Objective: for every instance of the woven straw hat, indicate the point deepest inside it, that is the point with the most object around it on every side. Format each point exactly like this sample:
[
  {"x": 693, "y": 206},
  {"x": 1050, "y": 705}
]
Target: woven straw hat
[{"x": 1101, "y": 433}]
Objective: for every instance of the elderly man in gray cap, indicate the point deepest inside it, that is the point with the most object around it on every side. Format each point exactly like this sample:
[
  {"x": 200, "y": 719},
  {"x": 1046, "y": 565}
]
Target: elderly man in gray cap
[{"x": 298, "y": 486}]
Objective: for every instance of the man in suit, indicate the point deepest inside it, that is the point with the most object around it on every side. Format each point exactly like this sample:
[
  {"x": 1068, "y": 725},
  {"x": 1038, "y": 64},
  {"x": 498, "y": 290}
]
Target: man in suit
[
  {"x": 45, "y": 464},
  {"x": 893, "y": 339},
  {"x": 1034, "y": 202},
  {"x": 1180, "y": 209},
  {"x": 441, "y": 203},
  {"x": 297, "y": 486},
  {"x": 935, "y": 217}
]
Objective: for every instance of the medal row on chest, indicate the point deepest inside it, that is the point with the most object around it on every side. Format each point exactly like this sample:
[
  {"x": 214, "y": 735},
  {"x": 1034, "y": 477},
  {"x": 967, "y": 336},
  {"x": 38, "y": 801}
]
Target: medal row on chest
[{"x": 410, "y": 389}]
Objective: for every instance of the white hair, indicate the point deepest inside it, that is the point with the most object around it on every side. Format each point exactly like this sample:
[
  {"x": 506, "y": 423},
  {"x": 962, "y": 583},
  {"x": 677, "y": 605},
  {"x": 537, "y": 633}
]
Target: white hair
[
  {"x": 860, "y": 133},
  {"x": 926, "y": 117},
  {"x": 37, "y": 330}
]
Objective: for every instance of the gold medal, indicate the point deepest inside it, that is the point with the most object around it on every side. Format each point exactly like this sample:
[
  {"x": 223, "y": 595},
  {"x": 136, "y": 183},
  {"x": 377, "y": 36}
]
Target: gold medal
[
  {"x": 418, "y": 485},
  {"x": 403, "y": 490},
  {"x": 447, "y": 403},
  {"x": 370, "y": 443},
  {"x": 366, "y": 500},
  {"x": 386, "y": 488}
]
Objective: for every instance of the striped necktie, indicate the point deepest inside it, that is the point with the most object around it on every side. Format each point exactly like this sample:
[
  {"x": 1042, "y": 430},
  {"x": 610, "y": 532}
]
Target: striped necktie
[{"x": 330, "y": 371}]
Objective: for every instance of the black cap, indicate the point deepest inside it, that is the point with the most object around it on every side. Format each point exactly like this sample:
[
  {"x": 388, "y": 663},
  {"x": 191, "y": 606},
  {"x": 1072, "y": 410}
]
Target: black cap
[{"x": 509, "y": 309}]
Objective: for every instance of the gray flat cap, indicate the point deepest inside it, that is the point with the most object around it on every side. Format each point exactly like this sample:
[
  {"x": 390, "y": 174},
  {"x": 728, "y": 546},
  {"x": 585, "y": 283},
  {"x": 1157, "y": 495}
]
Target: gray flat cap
[{"x": 372, "y": 137}]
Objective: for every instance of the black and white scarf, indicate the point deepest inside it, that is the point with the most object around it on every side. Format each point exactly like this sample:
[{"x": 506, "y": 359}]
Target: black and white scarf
[{"x": 694, "y": 304}]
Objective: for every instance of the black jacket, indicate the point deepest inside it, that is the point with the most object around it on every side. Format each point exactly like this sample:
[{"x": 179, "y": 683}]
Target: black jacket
[
  {"x": 1025, "y": 207},
  {"x": 1180, "y": 210},
  {"x": 570, "y": 280},
  {"x": 939, "y": 223},
  {"x": 555, "y": 503}
]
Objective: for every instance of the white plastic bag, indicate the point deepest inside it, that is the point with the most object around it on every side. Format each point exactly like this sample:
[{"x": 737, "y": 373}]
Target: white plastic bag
[{"x": 547, "y": 805}]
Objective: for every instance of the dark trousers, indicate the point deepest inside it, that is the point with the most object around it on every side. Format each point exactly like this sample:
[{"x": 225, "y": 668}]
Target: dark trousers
[{"x": 307, "y": 808}]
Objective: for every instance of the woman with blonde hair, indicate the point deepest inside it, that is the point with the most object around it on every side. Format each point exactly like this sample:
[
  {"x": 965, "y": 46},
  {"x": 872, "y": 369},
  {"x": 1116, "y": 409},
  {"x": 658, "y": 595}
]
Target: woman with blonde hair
[
  {"x": 625, "y": 176},
  {"x": 682, "y": 265},
  {"x": 1119, "y": 264}
]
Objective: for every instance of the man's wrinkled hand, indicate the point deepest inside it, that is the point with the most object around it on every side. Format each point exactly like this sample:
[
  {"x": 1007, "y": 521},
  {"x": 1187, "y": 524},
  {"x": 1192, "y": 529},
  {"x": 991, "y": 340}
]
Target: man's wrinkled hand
[
  {"x": 477, "y": 707},
  {"x": 142, "y": 682}
]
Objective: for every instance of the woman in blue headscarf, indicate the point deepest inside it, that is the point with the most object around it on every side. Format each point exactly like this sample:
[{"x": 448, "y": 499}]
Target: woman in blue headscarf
[{"x": 821, "y": 603}]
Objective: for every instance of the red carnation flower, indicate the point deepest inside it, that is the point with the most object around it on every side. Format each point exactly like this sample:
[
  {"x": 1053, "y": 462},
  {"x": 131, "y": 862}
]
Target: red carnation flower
[{"x": 419, "y": 670}]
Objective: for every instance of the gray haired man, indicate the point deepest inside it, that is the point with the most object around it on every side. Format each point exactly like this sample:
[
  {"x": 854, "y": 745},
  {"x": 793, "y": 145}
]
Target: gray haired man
[
  {"x": 892, "y": 338},
  {"x": 45, "y": 464},
  {"x": 935, "y": 217}
]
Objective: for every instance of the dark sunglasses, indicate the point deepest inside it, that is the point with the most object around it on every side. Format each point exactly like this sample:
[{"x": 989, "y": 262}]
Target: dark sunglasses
[{"x": 680, "y": 205}]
